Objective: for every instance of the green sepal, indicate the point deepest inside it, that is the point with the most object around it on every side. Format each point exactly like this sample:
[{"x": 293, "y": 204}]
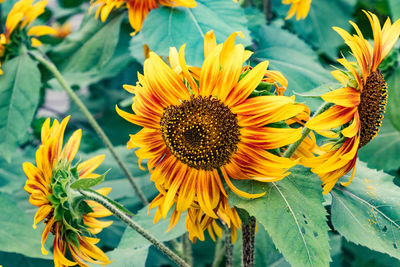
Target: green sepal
[
  {"x": 116, "y": 204},
  {"x": 72, "y": 239},
  {"x": 86, "y": 183}
]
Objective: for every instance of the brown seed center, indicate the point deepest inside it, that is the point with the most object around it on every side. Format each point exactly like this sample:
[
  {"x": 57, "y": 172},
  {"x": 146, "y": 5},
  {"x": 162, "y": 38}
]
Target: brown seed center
[
  {"x": 201, "y": 132},
  {"x": 372, "y": 106}
]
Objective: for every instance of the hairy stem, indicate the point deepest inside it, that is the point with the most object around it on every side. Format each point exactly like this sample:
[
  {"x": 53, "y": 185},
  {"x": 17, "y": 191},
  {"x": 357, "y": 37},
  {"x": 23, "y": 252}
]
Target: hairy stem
[
  {"x": 305, "y": 131},
  {"x": 268, "y": 10},
  {"x": 53, "y": 69},
  {"x": 126, "y": 219},
  {"x": 228, "y": 247},
  {"x": 248, "y": 231}
]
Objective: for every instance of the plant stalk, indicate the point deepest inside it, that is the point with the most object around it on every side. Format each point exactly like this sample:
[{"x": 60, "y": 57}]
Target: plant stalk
[
  {"x": 126, "y": 219},
  {"x": 53, "y": 69},
  {"x": 305, "y": 131},
  {"x": 219, "y": 253},
  {"x": 248, "y": 232},
  {"x": 228, "y": 247}
]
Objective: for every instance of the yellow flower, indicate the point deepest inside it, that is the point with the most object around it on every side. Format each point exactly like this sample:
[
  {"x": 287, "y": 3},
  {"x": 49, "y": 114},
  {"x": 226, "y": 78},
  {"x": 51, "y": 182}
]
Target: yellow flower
[
  {"x": 21, "y": 16},
  {"x": 358, "y": 106},
  {"x": 298, "y": 7},
  {"x": 62, "y": 31},
  {"x": 137, "y": 9},
  {"x": 66, "y": 214},
  {"x": 200, "y": 126}
]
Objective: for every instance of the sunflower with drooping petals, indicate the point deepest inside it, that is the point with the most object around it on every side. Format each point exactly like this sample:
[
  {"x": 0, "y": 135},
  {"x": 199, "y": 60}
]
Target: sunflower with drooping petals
[
  {"x": 137, "y": 9},
  {"x": 202, "y": 126},
  {"x": 358, "y": 107},
  {"x": 299, "y": 8},
  {"x": 21, "y": 16},
  {"x": 67, "y": 215}
]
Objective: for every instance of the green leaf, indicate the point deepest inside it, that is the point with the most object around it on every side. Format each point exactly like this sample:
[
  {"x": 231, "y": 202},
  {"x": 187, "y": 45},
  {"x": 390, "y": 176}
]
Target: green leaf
[
  {"x": 86, "y": 183},
  {"x": 382, "y": 152},
  {"x": 172, "y": 27},
  {"x": 394, "y": 9},
  {"x": 19, "y": 97},
  {"x": 14, "y": 259},
  {"x": 17, "y": 234},
  {"x": 320, "y": 90},
  {"x": 393, "y": 111},
  {"x": 291, "y": 56},
  {"x": 292, "y": 213},
  {"x": 316, "y": 28},
  {"x": 89, "y": 48},
  {"x": 367, "y": 212},
  {"x": 132, "y": 242}
]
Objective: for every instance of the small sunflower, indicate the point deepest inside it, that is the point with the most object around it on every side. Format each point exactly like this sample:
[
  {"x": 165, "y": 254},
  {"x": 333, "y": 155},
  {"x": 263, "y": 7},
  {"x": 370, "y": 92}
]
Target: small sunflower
[
  {"x": 21, "y": 16},
  {"x": 67, "y": 215},
  {"x": 137, "y": 9},
  {"x": 358, "y": 107},
  {"x": 202, "y": 125},
  {"x": 299, "y": 8}
]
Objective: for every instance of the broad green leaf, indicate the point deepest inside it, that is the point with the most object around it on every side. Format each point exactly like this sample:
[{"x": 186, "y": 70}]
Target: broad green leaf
[
  {"x": 367, "y": 212},
  {"x": 316, "y": 28},
  {"x": 13, "y": 259},
  {"x": 393, "y": 111},
  {"x": 89, "y": 48},
  {"x": 320, "y": 90},
  {"x": 292, "y": 213},
  {"x": 133, "y": 243},
  {"x": 86, "y": 183},
  {"x": 172, "y": 27},
  {"x": 360, "y": 256},
  {"x": 291, "y": 56},
  {"x": 19, "y": 97},
  {"x": 394, "y": 9},
  {"x": 383, "y": 151},
  {"x": 17, "y": 234}
]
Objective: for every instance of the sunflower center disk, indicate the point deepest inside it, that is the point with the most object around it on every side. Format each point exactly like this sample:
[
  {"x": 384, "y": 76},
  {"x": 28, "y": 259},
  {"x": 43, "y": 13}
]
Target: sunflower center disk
[
  {"x": 202, "y": 132},
  {"x": 372, "y": 106}
]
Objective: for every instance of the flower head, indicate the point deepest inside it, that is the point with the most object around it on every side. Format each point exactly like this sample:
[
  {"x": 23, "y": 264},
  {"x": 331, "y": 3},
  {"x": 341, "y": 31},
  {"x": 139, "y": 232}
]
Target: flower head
[
  {"x": 358, "y": 107},
  {"x": 137, "y": 9},
  {"x": 204, "y": 125},
  {"x": 18, "y": 29},
  {"x": 299, "y": 8},
  {"x": 67, "y": 215}
]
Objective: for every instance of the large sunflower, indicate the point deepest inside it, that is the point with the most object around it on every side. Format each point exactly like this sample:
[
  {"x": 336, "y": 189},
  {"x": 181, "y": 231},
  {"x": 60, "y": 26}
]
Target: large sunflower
[
  {"x": 137, "y": 9},
  {"x": 358, "y": 107},
  {"x": 299, "y": 8},
  {"x": 200, "y": 126},
  {"x": 21, "y": 16},
  {"x": 70, "y": 218}
]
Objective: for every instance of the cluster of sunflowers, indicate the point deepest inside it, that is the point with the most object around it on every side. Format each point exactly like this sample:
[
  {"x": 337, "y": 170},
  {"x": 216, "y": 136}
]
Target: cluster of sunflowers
[{"x": 204, "y": 127}]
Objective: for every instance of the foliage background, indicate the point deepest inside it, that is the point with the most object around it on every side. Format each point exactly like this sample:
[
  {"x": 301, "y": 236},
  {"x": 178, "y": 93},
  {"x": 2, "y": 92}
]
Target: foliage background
[{"x": 97, "y": 58}]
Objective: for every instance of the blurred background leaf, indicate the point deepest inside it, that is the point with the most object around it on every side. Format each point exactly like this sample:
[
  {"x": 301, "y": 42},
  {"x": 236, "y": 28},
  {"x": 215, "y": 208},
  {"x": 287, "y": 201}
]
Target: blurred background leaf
[{"x": 172, "y": 27}]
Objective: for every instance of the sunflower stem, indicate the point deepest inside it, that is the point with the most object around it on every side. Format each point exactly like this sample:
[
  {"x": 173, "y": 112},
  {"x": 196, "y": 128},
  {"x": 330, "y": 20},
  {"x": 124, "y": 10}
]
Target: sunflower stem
[
  {"x": 248, "y": 231},
  {"x": 228, "y": 247},
  {"x": 92, "y": 121},
  {"x": 126, "y": 219},
  {"x": 305, "y": 131},
  {"x": 268, "y": 10}
]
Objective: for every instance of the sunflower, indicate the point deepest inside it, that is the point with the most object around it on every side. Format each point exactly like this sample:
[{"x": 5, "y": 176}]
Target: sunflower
[
  {"x": 69, "y": 217},
  {"x": 298, "y": 7},
  {"x": 200, "y": 126},
  {"x": 137, "y": 9},
  {"x": 358, "y": 107},
  {"x": 21, "y": 16}
]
